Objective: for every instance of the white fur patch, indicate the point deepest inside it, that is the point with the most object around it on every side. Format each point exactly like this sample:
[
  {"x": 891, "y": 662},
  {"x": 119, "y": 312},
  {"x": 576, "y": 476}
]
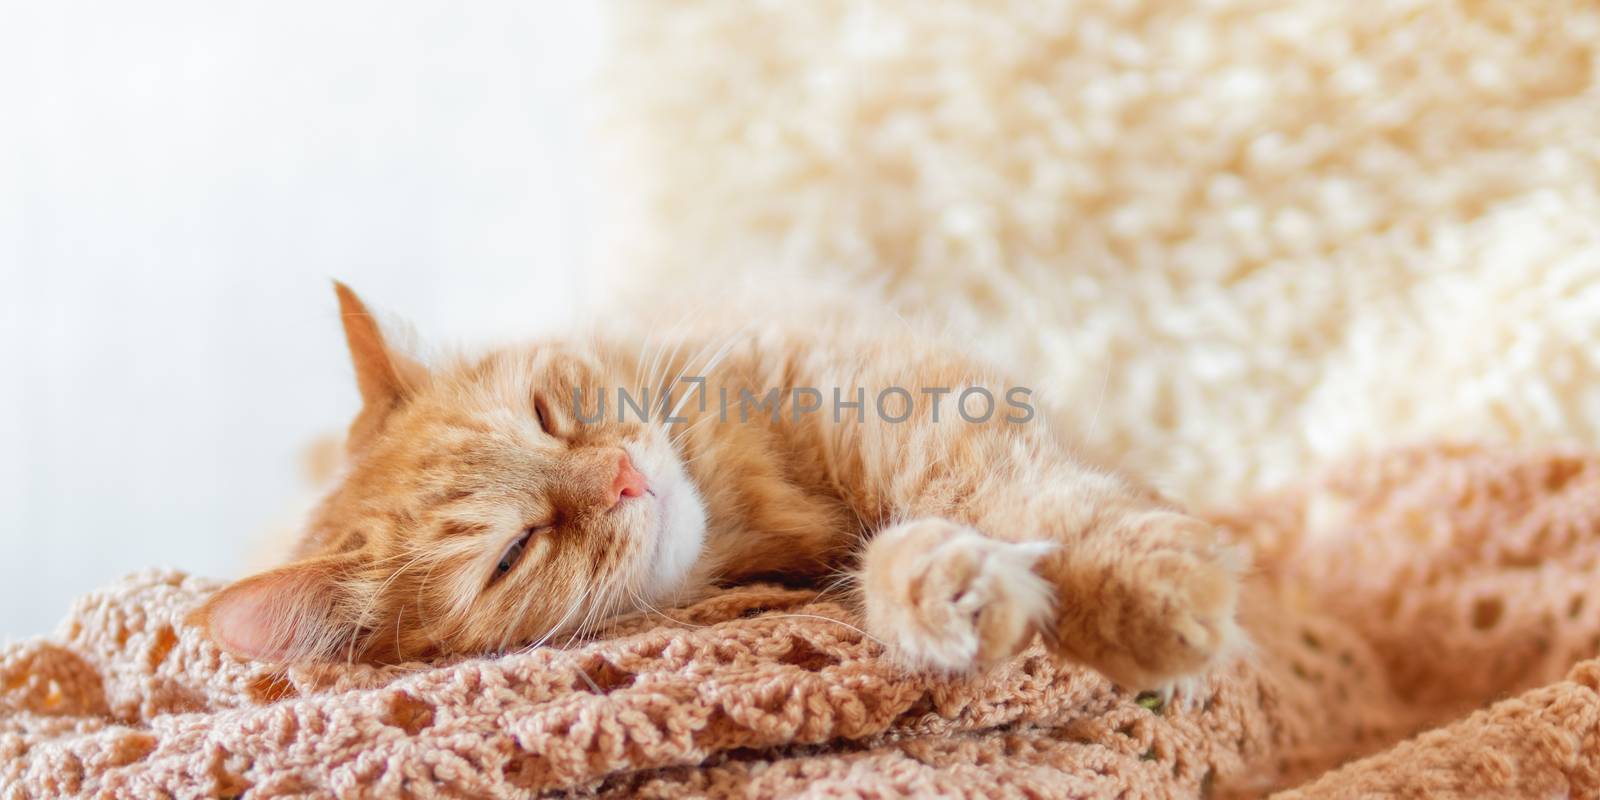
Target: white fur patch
[{"x": 680, "y": 522}]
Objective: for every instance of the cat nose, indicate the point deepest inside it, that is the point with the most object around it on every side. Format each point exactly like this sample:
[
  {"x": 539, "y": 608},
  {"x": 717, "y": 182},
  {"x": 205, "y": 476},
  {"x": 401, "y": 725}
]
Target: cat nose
[{"x": 628, "y": 482}]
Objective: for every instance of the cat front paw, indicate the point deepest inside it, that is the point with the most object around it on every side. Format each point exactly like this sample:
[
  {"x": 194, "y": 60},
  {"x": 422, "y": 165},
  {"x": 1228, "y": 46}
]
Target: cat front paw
[
  {"x": 1165, "y": 616},
  {"x": 946, "y": 598}
]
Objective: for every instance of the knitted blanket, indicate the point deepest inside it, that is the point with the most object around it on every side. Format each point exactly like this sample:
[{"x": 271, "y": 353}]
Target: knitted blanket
[{"x": 1444, "y": 588}]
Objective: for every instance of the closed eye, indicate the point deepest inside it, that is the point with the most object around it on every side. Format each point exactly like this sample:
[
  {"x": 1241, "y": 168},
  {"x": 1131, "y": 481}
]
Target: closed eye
[
  {"x": 513, "y": 553},
  {"x": 542, "y": 413}
]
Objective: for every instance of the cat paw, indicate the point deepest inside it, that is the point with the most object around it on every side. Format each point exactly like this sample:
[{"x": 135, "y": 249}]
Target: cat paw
[
  {"x": 946, "y": 598},
  {"x": 1169, "y": 615}
]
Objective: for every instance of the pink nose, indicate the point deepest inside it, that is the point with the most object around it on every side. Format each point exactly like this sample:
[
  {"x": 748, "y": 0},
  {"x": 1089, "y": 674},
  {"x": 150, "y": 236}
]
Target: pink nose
[{"x": 629, "y": 482}]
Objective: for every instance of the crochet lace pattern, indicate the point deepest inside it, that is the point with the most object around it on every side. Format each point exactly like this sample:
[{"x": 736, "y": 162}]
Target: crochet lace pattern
[{"x": 1392, "y": 595}]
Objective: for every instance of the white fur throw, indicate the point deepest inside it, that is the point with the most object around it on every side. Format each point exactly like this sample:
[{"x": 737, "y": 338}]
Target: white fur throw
[{"x": 1230, "y": 237}]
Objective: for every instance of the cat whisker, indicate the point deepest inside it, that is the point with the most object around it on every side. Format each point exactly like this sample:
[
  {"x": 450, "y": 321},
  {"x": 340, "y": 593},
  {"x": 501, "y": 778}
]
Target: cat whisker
[
  {"x": 711, "y": 363},
  {"x": 594, "y": 608},
  {"x": 668, "y": 617},
  {"x": 1094, "y": 419},
  {"x": 839, "y": 622},
  {"x": 584, "y": 674},
  {"x": 577, "y": 602},
  {"x": 843, "y": 578},
  {"x": 680, "y": 436}
]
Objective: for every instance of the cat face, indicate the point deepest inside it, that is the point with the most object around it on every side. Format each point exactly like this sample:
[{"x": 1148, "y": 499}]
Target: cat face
[{"x": 477, "y": 513}]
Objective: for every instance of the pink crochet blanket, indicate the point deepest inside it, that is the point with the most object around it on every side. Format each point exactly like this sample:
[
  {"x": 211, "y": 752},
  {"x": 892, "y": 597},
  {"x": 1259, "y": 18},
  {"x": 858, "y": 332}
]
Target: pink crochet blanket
[{"x": 1443, "y": 588}]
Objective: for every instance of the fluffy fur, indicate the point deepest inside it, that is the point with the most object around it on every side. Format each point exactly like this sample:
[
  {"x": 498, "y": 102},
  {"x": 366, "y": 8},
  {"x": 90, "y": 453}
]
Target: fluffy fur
[
  {"x": 1270, "y": 233},
  {"x": 478, "y": 511}
]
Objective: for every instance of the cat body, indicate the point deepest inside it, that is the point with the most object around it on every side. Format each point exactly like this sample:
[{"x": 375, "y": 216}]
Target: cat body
[{"x": 531, "y": 492}]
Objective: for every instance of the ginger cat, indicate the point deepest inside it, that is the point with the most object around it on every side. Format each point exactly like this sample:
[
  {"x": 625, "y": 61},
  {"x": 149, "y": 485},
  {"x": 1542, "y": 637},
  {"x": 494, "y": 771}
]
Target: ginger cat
[{"x": 484, "y": 508}]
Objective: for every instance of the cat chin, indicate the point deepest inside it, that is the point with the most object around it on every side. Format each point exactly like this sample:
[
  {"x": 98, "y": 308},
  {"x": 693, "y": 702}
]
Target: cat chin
[
  {"x": 680, "y": 535},
  {"x": 680, "y": 530}
]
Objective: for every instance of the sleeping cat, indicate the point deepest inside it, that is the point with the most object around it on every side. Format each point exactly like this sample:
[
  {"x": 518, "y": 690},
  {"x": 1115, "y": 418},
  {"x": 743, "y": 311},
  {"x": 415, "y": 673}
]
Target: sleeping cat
[{"x": 499, "y": 501}]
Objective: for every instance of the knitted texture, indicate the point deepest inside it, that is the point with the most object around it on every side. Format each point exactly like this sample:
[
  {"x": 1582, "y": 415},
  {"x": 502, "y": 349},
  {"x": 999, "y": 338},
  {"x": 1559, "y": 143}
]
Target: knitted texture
[{"x": 1393, "y": 594}]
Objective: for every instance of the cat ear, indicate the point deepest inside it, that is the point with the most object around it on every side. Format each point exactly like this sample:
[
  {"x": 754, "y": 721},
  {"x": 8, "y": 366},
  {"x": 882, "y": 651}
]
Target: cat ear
[
  {"x": 385, "y": 376},
  {"x": 294, "y": 613}
]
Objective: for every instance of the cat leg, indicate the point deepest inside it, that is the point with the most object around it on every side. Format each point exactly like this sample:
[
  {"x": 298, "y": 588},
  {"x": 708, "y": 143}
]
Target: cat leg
[
  {"x": 1147, "y": 597},
  {"x": 972, "y": 513},
  {"x": 1138, "y": 590}
]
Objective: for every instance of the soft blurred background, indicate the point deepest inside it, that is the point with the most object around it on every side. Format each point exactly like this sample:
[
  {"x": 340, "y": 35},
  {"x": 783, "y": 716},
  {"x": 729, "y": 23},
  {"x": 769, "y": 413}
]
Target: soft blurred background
[
  {"x": 1229, "y": 241},
  {"x": 180, "y": 180}
]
